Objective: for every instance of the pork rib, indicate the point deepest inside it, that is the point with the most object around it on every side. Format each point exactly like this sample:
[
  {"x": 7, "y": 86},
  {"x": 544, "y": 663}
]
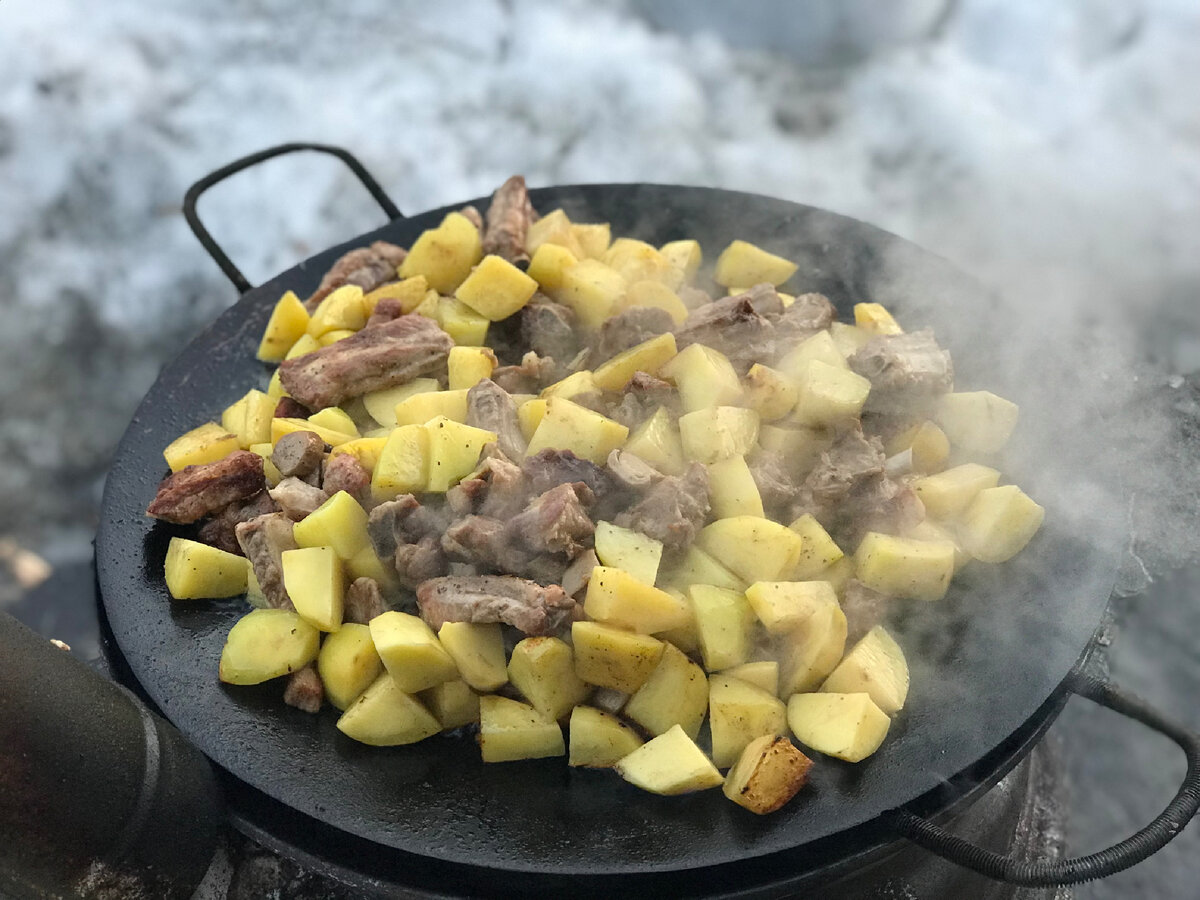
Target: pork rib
[
  {"x": 508, "y": 220},
  {"x": 194, "y": 492},
  {"x": 368, "y": 267},
  {"x": 525, "y": 605}
]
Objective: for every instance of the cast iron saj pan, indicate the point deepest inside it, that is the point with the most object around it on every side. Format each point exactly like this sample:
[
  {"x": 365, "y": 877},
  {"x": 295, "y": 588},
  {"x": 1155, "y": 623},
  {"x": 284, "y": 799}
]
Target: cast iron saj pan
[{"x": 992, "y": 664}]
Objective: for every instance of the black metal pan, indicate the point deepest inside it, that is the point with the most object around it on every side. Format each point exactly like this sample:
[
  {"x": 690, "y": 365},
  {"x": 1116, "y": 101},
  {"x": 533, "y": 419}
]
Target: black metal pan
[{"x": 991, "y": 665}]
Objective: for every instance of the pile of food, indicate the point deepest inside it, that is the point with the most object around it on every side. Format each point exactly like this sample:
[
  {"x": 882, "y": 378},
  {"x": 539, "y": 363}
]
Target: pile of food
[{"x": 521, "y": 477}]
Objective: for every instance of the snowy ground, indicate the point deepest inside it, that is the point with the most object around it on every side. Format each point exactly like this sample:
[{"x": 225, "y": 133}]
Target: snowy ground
[{"x": 1051, "y": 148}]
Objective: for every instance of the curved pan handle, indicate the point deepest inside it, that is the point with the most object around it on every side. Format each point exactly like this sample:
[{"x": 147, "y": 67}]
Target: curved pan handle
[
  {"x": 1117, "y": 858},
  {"x": 232, "y": 272}
]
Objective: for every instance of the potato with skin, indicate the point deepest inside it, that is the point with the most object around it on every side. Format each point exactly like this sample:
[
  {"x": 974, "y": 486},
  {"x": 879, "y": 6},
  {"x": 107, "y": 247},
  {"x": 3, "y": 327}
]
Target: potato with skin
[
  {"x": 599, "y": 739},
  {"x": 611, "y": 657},
  {"x": 875, "y": 666},
  {"x": 194, "y": 570},
  {"x": 669, "y": 764},
  {"x": 542, "y": 668},
  {"x": 739, "y": 712},
  {"x": 348, "y": 664},
  {"x": 265, "y": 644},
  {"x": 847, "y": 726},
  {"x": 509, "y": 730},
  {"x": 676, "y": 693},
  {"x": 769, "y": 773},
  {"x": 386, "y": 716}
]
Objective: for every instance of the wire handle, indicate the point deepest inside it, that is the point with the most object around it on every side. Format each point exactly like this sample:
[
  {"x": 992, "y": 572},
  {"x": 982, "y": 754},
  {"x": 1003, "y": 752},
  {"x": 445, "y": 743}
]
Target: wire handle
[
  {"x": 1117, "y": 858},
  {"x": 232, "y": 272}
]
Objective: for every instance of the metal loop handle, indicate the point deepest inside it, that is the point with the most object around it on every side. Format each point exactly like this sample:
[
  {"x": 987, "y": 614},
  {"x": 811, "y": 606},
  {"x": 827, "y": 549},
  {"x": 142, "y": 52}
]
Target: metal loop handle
[
  {"x": 1117, "y": 858},
  {"x": 214, "y": 249}
]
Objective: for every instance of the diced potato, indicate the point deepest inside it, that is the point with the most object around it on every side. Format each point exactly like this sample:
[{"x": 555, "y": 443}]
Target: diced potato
[
  {"x": 704, "y": 376},
  {"x": 444, "y": 255},
  {"x": 948, "y": 493},
  {"x": 409, "y": 292},
  {"x": 875, "y": 666},
  {"x": 999, "y": 523},
  {"x": 724, "y": 622},
  {"x": 657, "y": 442},
  {"x": 204, "y": 444},
  {"x": 340, "y": 522},
  {"x": 769, "y": 773},
  {"x": 548, "y": 266},
  {"x": 496, "y": 288},
  {"x": 333, "y": 419},
  {"x": 812, "y": 650},
  {"x": 543, "y": 669},
  {"x": 684, "y": 257},
  {"x": 838, "y": 574},
  {"x": 829, "y": 395},
  {"x": 718, "y": 432},
  {"x": 530, "y": 415},
  {"x": 977, "y": 421},
  {"x": 631, "y": 551},
  {"x": 367, "y": 564},
  {"x": 762, "y": 674},
  {"x": 366, "y": 450},
  {"x": 282, "y": 425},
  {"x": 847, "y": 726},
  {"x": 270, "y": 472},
  {"x": 819, "y": 347},
  {"x": 848, "y": 338},
  {"x": 568, "y": 426},
  {"x": 800, "y": 447},
  {"x": 265, "y": 644},
  {"x": 699, "y": 567},
  {"x": 874, "y": 318},
  {"x": 648, "y": 356},
  {"x": 931, "y": 530},
  {"x": 411, "y": 652},
  {"x": 599, "y": 739},
  {"x": 611, "y": 657},
  {"x": 342, "y": 309},
  {"x": 316, "y": 582},
  {"x": 782, "y": 606},
  {"x": 739, "y": 712},
  {"x": 403, "y": 466},
  {"x": 636, "y": 260},
  {"x": 573, "y": 385},
  {"x": 903, "y": 567},
  {"x": 195, "y": 570},
  {"x": 594, "y": 239},
  {"x": 478, "y": 651},
  {"x": 381, "y": 405},
  {"x": 305, "y": 344},
  {"x": 592, "y": 289},
  {"x": 465, "y": 326},
  {"x": 509, "y": 730},
  {"x": 669, "y": 764},
  {"x": 553, "y": 228},
  {"x": 818, "y": 552},
  {"x": 656, "y": 295},
  {"x": 753, "y": 548},
  {"x": 348, "y": 664},
  {"x": 744, "y": 263},
  {"x": 384, "y": 715},
  {"x": 467, "y": 366},
  {"x": 423, "y": 407},
  {"x": 617, "y": 598},
  {"x": 732, "y": 490},
  {"x": 332, "y": 337},
  {"x": 250, "y": 418},
  {"x": 454, "y": 451},
  {"x": 676, "y": 693},
  {"x": 929, "y": 445},
  {"x": 289, "y": 320},
  {"x": 769, "y": 393},
  {"x": 275, "y": 387},
  {"x": 453, "y": 703}
]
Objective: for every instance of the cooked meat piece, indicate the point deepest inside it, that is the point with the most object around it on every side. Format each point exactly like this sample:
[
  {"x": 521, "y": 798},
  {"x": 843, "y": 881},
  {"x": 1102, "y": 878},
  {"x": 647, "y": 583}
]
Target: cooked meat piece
[
  {"x": 630, "y": 328},
  {"x": 345, "y": 473},
  {"x": 548, "y": 328},
  {"x": 508, "y": 219},
  {"x": 420, "y": 561},
  {"x": 849, "y": 463},
  {"x": 738, "y": 326},
  {"x": 508, "y": 489},
  {"x": 385, "y": 525},
  {"x": 291, "y": 408},
  {"x": 377, "y": 357},
  {"x": 631, "y": 471},
  {"x": 642, "y": 397},
  {"x": 907, "y": 371},
  {"x": 221, "y": 529},
  {"x": 263, "y": 539},
  {"x": 486, "y": 542},
  {"x": 490, "y": 407},
  {"x": 304, "y": 689},
  {"x": 808, "y": 314},
  {"x": 525, "y": 605},
  {"x": 579, "y": 572},
  {"x": 880, "y": 504},
  {"x": 864, "y": 608},
  {"x": 364, "y": 601},
  {"x": 673, "y": 510},
  {"x": 471, "y": 214},
  {"x": 694, "y": 297},
  {"x": 298, "y": 453},
  {"x": 194, "y": 492},
  {"x": 775, "y": 484},
  {"x": 408, "y": 534},
  {"x": 368, "y": 267},
  {"x": 550, "y": 468},
  {"x": 385, "y": 310},
  {"x": 533, "y": 374},
  {"x": 297, "y": 498},
  {"x": 555, "y": 522}
]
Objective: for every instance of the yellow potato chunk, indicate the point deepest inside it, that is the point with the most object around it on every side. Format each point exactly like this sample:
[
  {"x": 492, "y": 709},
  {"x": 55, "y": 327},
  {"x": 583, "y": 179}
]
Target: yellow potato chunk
[
  {"x": 452, "y": 703},
  {"x": 340, "y": 522},
  {"x": 417, "y": 409},
  {"x": 648, "y": 356},
  {"x": 657, "y": 442},
  {"x": 738, "y": 713},
  {"x": 265, "y": 644},
  {"x": 270, "y": 472},
  {"x": 332, "y": 337},
  {"x": 381, "y": 404},
  {"x": 846, "y": 726},
  {"x": 783, "y": 605},
  {"x": 509, "y": 730},
  {"x": 676, "y": 693},
  {"x": 718, "y": 432},
  {"x": 367, "y": 564},
  {"x": 929, "y": 446},
  {"x": 333, "y": 419},
  {"x": 592, "y": 289},
  {"x": 769, "y": 773},
  {"x": 820, "y": 347},
  {"x": 873, "y": 318},
  {"x": 977, "y": 421},
  {"x": 572, "y": 386},
  {"x": 593, "y": 238},
  {"x": 204, "y": 444},
  {"x": 195, "y": 570},
  {"x": 467, "y": 366},
  {"x": 799, "y": 447},
  {"x": 732, "y": 490},
  {"x": 628, "y": 550},
  {"x": 669, "y": 764},
  {"x": 656, "y": 295},
  {"x": 744, "y": 263},
  {"x": 636, "y": 260},
  {"x": 342, "y": 310},
  {"x": 496, "y": 288},
  {"x": 810, "y": 651},
  {"x": 478, "y": 651},
  {"x": 275, "y": 387},
  {"x": 403, "y": 466},
  {"x": 684, "y": 257},
  {"x": 724, "y": 623},
  {"x": 304, "y": 345},
  {"x": 316, "y": 582},
  {"x": 542, "y": 668},
  {"x": 465, "y": 326},
  {"x": 699, "y": 567},
  {"x": 553, "y": 228},
  {"x": 932, "y": 530},
  {"x": 289, "y": 320},
  {"x": 569, "y": 426},
  {"x": 753, "y": 548},
  {"x": 999, "y": 523},
  {"x": 762, "y": 674},
  {"x": 411, "y": 652},
  {"x": 530, "y": 415},
  {"x": 549, "y": 265},
  {"x": 769, "y": 393},
  {"x": 366, "y": 450},
  {"x": 818, "y": 552},
  {"x": 608, "y": 656},
  {"x": 903, "y": 567},
  {"x": 599, "y": 739},
  {"x": 444, "y": 255},
  {"x": 948, "y": 493},
  {"x": 848, "y": 338},
  {"x": 250, "y": 418},
  {"x": 828, "y": 395},
  {"x": 875, "y": 666},
  {"x": 454, "y": 451},
  {"x": 348, "y": 664},
  {"x": 704, "y": 376},
  {"x": 386, "y": 716},
  {"x": 286, "y": 425},
  {"x": 616, "y": 597},
  {"x": 409, "y": 292}
]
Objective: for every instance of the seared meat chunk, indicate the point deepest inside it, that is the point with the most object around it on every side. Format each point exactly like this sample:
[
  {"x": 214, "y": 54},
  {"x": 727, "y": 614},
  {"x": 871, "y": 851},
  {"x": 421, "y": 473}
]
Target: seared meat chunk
[
  {"x": 291, "y": 408},
  {"x": 548, "y": 328},
  {"x": 385, "y": 310},
  {"x": 364, "y": 601},
  {"x": 673, "y": 510},
  {"x": 298, "y": 453},
  {"x": 472, "y": 215},
  {"x": 550, "y": 468},
  {"x": 499, "y": 490},
  {"x": 864, "y": 608},
  {"x": 508, "y": 220},
  {"x": 525, "y": 605},
  {"x": 738, "y": 326},
  {"x": 630, "y": 328},
  {"x": 368, "y": 267},
  {"x": 263, "y": 539},
  {"x": 221, "y": 529},
  {"x": 487, "y": 544},
  {"x": 642, "y": 397},
  {"x": 379, "y": 356},
  {"x": 297, "y": 498},
  {"x": 420, "y": 561},
  {"x": 808, "y": 314},
  {"x": 630, "y": 471},
  {"x": 907, "y": 371},
  {"x": 555, "y": 522},
  {"x": 408, "y": 535},
  {"x": 533, "y": 374},
  {"x": 775, "y": 484},
  {"x": 881, "y": 504},
  {"x": 490, "y": 407},
  {"x": 304, "y": 689},
  {"x": 345, "y": 473},
  {"x": 194, "y": 492},
  {"x": 385, "y": 525}
]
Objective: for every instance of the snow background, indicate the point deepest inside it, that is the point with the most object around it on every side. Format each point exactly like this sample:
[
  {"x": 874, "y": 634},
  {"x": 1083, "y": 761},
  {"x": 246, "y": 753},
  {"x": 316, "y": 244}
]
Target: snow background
[{"x": 1053, "y": 149}]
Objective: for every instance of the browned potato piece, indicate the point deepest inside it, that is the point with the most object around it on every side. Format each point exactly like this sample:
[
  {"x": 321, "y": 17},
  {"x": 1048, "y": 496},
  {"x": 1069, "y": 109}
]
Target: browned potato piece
[{"x": 769, "y": 773}]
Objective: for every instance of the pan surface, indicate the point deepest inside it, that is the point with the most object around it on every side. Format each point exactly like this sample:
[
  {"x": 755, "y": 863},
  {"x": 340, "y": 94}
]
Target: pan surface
[{"x": 983, "y": 661}]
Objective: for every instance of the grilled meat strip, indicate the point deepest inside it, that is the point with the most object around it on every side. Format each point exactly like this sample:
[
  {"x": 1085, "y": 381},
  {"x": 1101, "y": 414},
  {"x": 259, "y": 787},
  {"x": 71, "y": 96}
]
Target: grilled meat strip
[
  {"x": 525, "y": 605},
  {"x": 263, "y": 539},
  {"x": 221, "y": 530},
  {"x": 508, "y": 220},
  {"x": 368, "y": 267},
  {"x": 194, "y": 492},
  {"x": 491, "y": 407}
]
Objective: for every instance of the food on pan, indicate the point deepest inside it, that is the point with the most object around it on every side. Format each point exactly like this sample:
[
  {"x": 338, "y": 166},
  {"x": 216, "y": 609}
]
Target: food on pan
[{"x": 525, "y": 478}]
